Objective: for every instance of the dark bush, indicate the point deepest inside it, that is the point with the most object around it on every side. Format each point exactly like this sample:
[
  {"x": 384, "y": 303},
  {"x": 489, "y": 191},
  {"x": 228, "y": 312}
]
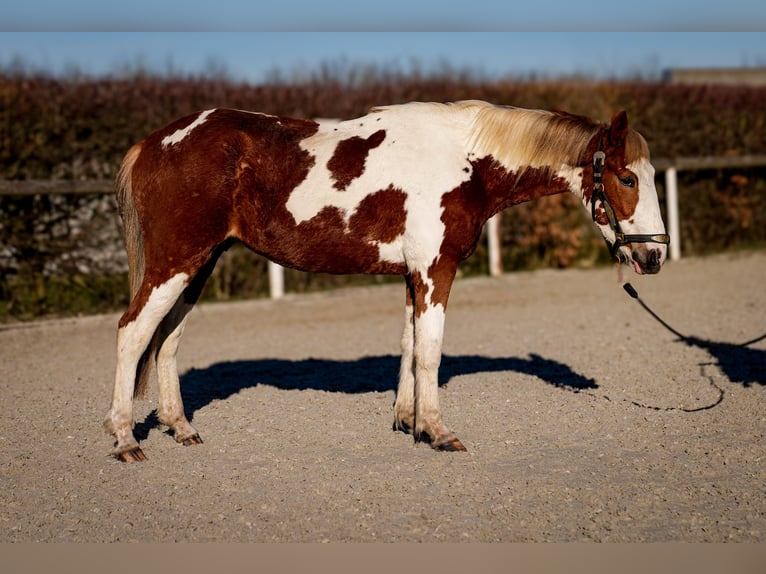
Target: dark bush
[{"x": 80, "y": 128}]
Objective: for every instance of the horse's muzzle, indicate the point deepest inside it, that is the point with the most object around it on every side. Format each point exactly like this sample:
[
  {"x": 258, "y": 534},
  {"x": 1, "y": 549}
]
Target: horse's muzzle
[{"x": 648, "y": 260}]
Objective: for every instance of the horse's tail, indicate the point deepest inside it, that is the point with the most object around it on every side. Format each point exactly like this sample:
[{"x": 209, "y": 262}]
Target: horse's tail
[
  {"x": 134, "y": 244},
  {"x": 134, "y": 241}
]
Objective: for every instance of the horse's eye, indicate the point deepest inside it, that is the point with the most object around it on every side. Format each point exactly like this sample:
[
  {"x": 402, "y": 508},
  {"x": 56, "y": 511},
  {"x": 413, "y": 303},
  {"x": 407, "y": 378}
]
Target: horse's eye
[{"x": 628, "y": 181}]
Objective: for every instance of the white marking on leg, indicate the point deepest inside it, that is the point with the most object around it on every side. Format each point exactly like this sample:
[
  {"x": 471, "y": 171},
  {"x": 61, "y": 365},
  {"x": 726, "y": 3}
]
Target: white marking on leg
[
  {"x": 171, "y": 410},
  {"x": 429, "y": 335},
  {"x": 132, "y": 341},
  {"x": 178, "y": 135},
  {"x": 404, "y": 408}
]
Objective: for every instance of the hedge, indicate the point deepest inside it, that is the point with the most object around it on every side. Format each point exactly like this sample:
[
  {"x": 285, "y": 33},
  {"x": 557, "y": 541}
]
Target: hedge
[{"x": 79, "y": 128}]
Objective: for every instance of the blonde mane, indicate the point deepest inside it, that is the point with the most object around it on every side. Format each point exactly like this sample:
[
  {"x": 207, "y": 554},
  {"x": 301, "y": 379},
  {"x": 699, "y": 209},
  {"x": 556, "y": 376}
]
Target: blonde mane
[
  {"x": 518, "y": 137},
  {"x": 539, "y": 137}
]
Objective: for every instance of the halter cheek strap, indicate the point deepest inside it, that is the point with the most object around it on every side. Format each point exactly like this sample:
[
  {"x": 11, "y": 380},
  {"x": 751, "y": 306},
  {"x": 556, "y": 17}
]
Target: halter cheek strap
[{"x": 599, "y": 159}]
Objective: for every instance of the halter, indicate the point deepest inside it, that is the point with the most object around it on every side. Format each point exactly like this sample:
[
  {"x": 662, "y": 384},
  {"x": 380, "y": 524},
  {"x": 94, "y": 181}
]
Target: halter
[{"x": 599, "y": 159}]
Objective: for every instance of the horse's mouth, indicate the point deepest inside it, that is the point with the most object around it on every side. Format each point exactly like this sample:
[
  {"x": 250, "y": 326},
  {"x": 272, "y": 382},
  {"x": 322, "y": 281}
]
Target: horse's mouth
[{"x": 647, "y": 262}]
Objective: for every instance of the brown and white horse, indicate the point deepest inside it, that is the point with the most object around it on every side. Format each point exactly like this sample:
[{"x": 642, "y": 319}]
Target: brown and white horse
[{"x": 403, "y": 190}]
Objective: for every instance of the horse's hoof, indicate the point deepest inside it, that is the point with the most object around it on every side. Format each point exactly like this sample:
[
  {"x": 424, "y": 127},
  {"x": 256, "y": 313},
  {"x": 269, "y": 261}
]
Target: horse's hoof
[
  {"x": 132, "y": 455},
  {"x": 194, "y": 439},
  {"x": 401, "y": 426},
  {"x": 445, "y": 443},
  {"x": 452, "y": 445}
]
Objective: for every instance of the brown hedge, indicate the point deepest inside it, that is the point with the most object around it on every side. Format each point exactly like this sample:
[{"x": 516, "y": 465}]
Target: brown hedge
[{"x": 80, "y": 128}]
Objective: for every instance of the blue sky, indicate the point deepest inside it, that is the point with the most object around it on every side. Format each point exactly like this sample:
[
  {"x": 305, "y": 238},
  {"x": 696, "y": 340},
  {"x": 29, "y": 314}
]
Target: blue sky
[
  {"x": 407, "y": 15},
  {"x": 250, "y": 41},
  {"x": 255, "y": 56}
]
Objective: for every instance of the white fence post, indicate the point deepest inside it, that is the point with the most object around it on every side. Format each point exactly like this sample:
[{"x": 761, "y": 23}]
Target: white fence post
[
  {"x": 276, "y": 280},
  {"x": 493, "y": 246},
  {"x": 671, "y": 200}
]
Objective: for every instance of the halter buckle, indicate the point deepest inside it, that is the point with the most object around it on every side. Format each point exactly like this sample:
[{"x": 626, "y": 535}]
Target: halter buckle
[{"x": 599, "y": 159}]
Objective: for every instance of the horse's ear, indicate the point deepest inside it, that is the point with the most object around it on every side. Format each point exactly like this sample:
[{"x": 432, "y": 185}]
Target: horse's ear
[{"x": 618, "y": 128}]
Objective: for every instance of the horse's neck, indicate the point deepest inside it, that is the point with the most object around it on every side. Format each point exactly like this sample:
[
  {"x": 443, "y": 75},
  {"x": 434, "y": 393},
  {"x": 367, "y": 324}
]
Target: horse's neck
[
  {"x": 515, "y": 161},
  {"x": 505, "y": 187}
]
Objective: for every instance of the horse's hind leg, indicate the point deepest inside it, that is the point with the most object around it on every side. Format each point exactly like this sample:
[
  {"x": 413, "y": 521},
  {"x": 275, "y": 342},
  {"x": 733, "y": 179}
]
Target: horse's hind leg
[
  {"x": 171, "y": 408},
  {"x": 136, "y": 329}
]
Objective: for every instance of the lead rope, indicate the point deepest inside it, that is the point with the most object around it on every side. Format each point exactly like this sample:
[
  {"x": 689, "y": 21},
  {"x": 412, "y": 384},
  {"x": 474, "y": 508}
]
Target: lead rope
[
  {"x": 704, "y": 375},
  {"x": 630, "y": 290}
]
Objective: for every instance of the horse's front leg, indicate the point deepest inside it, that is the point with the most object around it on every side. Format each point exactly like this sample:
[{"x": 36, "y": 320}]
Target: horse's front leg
[
  {"x": 404, "y": 407},
  {"x": 429, "y": 335}
]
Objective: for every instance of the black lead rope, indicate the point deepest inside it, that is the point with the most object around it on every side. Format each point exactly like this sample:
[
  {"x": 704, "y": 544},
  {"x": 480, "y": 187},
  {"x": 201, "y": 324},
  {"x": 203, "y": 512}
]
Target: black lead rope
[
  {"x": 633, "y": 293},
  {"x": 598, "y": 194},
  {"x": 697, "y": 342},
  {"x": 691, "y": 340}
]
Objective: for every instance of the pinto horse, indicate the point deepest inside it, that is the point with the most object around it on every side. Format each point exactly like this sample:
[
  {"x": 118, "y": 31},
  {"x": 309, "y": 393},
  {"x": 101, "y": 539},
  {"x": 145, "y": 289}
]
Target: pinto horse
[{"x": 404, "y": 190}]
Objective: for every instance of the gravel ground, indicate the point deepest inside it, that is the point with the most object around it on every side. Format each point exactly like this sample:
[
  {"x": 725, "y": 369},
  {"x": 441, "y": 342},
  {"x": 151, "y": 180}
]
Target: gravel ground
[{"x": 585, "y": 420}]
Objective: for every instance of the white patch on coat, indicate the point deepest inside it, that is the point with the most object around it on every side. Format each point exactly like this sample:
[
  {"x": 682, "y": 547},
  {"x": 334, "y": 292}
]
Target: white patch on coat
[
  {"x": 647, "y": 218},
  {"x": 573, "y": 176},
  {"x": 178, "y": 135},
  {"x": 391, "y": 252},
  {"x": 423, "y": 154}
]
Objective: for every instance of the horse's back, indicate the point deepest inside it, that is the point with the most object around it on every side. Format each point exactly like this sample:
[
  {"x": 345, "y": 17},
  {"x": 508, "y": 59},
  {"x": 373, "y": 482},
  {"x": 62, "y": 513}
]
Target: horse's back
[{"x": 332, "y": 196}]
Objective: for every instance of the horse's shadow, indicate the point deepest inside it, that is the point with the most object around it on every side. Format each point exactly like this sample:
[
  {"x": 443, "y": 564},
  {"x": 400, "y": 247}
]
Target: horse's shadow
[
  {"x": 199, "y": 387},
  {"x": 741, "y": 364},
  {"x": 364, "y": 375}
]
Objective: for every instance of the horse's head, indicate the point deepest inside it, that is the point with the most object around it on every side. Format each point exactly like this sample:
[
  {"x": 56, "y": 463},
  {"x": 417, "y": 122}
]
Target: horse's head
[{"x": 623, "y": 200}]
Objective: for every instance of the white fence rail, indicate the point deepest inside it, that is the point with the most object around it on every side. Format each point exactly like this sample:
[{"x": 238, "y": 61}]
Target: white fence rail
[{"x": 670, "y": 166}]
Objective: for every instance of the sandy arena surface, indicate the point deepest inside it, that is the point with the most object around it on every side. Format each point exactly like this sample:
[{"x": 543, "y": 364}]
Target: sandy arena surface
[{"x": 585, "y": 420}]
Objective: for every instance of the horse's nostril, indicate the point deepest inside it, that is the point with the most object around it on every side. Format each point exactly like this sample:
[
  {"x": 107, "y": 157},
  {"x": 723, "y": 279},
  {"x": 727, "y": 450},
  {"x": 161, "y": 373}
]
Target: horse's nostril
[{"x": 654, "y": 257}]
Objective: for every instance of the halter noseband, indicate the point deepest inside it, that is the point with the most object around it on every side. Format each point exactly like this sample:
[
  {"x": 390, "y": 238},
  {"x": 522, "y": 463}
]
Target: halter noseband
[{"x": 599, "y": 159}]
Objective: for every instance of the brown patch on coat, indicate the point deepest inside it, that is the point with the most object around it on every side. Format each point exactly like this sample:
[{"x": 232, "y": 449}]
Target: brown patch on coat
[
  {"x": 380, "y": 216},
  {"x": 417, "y": 292},
  {"x": 186, "y": 195},
  {"x": 348, "y": 160},
  {"x": 505, "y": 188},
  {"x": 466, "y": 208},
  {"x": 464, "y": 211},
  {"x": 442, "y": 274},
  {"x": 325, "y": 243}
]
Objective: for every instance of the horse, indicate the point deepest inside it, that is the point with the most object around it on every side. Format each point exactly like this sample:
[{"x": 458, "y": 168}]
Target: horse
[{"x": 403, "y": 190}]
